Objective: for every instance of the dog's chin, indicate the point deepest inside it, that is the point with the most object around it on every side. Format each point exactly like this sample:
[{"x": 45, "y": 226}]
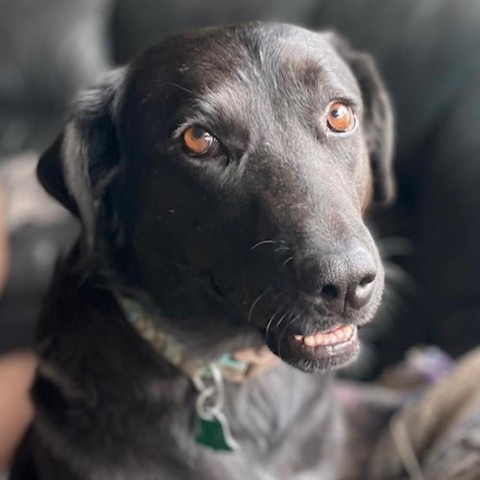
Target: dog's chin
[{"x": 322, "y": 351}]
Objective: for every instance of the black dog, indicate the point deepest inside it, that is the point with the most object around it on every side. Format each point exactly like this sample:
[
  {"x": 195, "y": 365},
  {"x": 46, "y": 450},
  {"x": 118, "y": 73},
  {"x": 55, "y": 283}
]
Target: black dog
[{"x": 221, "y": 180}]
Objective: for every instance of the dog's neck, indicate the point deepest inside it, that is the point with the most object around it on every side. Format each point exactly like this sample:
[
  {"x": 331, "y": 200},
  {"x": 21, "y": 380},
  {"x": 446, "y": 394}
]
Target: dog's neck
[
  {"x": 213, "y": 428},
  {"x": 236, "y": 367}
]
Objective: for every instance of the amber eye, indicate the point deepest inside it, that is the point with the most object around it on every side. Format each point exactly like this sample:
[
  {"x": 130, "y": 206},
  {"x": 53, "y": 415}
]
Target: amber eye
[
  {"x": 340, "y": 117},
  {"x": 198, "y": 141}
]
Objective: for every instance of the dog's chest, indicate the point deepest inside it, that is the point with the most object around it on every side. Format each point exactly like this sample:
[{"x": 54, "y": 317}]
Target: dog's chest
[{"x": 286, "y": 425}]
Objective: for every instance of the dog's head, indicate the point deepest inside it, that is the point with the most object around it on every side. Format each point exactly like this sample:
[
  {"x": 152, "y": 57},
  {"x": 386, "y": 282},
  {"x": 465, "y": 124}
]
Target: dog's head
[{"x": 227, "y": 171}]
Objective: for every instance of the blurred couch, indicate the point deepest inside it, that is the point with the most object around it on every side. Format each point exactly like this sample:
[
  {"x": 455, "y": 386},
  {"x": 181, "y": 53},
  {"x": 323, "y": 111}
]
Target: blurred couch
[{"x": 49, "y": 49}]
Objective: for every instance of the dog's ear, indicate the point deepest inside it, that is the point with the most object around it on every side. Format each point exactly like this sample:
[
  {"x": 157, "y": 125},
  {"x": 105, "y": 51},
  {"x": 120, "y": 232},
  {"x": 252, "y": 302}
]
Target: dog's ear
[
  {"x": 378, "y": 118},
  {"x": 82, "y": 161}
]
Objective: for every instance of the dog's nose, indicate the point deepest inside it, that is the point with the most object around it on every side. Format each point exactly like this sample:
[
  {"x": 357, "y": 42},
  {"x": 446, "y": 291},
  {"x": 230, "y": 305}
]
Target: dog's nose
[{"x": 339, "y": 280}]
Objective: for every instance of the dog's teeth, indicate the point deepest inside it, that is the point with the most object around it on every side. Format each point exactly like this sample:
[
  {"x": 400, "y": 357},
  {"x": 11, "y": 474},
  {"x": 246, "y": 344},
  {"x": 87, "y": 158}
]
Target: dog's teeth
[
  {"x": 337, "y": 335},
  {"x": 309, "y": 341}
]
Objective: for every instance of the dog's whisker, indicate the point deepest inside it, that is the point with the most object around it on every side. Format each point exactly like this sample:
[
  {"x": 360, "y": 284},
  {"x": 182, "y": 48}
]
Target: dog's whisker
[
  {"x": 277, "y": 325},
  {"x": 281, "y": 319},
  {"x": 278, "y": 249},
  {"x": 263, "y": 242},
  {"x": 282, "y": 335},
  {"x": 254, "y": 304},
  {"x": 270, "y": 322},
  {"x": 293, "y": 320},
  {"x": 289, "y": 259},
  {"x": 180, "y": 87}
]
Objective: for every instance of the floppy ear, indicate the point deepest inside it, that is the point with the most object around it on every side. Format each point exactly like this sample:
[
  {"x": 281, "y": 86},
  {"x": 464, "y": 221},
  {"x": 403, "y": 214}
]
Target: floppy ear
[
  {"x": 83, "y": 160},
  {"x": 378, "y": 118}
]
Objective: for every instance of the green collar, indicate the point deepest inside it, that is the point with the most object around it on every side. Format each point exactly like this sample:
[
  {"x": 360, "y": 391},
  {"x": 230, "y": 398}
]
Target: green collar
[{"x": 235, "y": 367}]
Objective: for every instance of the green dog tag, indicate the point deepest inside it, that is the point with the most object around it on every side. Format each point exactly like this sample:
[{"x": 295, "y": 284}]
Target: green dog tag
[{"x": 215, "y": 433}]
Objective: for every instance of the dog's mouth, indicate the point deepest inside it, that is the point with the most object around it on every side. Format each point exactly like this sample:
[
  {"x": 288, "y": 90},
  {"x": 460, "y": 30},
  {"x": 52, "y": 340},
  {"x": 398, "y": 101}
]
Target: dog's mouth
[
  {"x": 308, "y": 347},
  {"x": 322, "y": 350},
  {"x": 340, "y": 337}
]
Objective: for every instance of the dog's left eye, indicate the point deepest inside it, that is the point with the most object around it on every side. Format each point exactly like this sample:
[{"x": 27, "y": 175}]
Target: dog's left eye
[
  {"x": 340, "y": 117},
  {"x": 199, "y": 142}
]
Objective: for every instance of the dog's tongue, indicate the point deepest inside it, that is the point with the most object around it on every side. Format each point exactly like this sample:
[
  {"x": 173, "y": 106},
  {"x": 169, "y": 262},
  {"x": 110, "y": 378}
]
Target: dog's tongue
[{"x": 334, "y": 336}]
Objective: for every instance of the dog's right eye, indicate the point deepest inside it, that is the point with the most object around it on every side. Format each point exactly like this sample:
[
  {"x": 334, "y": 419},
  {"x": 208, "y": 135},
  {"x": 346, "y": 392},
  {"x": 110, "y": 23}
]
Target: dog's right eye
[{"x": 199, "y": 142}]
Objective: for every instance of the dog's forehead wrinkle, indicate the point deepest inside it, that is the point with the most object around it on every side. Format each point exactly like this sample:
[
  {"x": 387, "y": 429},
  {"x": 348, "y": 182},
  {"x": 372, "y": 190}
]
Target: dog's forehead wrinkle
[
  {"x": 235, "y": 110},
  {"x": 311, "y": 60},
  {"x": 230, "y": 99}
]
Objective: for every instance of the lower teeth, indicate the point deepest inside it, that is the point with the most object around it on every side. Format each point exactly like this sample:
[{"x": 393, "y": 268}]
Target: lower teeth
[{"x": 334, "y": 337}]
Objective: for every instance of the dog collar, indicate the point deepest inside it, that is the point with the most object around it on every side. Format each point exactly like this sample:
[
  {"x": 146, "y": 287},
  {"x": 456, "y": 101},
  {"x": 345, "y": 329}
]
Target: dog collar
[
  {"x": 212, "y": 428},
  {"x": 235, "y": 367}
]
